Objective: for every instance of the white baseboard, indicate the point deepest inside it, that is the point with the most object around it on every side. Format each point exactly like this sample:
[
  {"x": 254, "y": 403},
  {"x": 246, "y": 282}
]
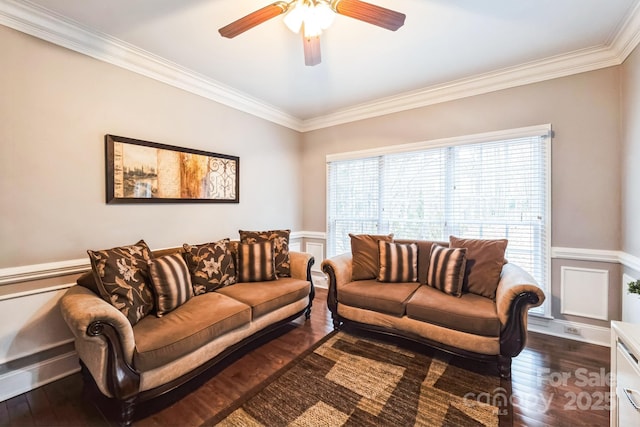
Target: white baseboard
[
  {"x": 558, "y": 328},
  {"x": 18, "y": 381}
]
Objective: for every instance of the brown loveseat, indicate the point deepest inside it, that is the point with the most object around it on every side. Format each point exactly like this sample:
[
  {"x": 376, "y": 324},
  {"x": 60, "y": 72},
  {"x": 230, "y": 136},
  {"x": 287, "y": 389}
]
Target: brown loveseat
[
  {"x": 486, "y": 327},
  {"x": 124, "y": 364}
]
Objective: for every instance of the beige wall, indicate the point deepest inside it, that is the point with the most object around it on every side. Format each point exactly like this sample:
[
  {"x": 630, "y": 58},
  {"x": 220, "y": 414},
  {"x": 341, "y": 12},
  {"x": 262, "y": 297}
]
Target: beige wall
[
  {"x": 630, "y": 77},
  {"x": 584, "y": 112},
  {"x": 55, "y": 108}
]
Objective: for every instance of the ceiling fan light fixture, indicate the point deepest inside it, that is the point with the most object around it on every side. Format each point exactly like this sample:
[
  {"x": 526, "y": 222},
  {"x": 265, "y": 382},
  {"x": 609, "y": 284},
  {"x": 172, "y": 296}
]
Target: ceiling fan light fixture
[
  {"x": 315, "y": 15},
  {"x": 296, "y": 15},
  {"x": 324, "y": 14}
]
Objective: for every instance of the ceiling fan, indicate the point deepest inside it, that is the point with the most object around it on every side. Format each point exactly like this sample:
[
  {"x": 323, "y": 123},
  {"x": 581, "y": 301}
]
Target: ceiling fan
[{"x": 313, "y": 16}]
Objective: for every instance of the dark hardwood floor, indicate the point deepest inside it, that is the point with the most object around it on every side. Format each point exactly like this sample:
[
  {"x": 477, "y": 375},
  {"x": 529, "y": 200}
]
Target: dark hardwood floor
[{"x": 556, "y": 382}]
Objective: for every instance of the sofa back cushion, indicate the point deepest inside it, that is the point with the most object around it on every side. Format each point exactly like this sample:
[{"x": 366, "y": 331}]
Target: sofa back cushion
[
  {"x": 171, "y": 282},
  {"x": 280, "y": 240},
  {"x": 446, "y": 269},
  {"x": 485, "y": 259},
  {"x": 398, "y": 262},
  {"x": 256, "y": 262},
  {"x": 364, "y": 250},
  {"x": 211, "y": 265},
  {"x": 122, "y": 278},
  {"x": 424, "y": 255}
]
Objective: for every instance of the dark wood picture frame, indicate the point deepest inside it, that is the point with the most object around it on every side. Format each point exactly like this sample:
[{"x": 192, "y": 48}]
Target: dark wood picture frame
[{"x": 148, "y": 172}]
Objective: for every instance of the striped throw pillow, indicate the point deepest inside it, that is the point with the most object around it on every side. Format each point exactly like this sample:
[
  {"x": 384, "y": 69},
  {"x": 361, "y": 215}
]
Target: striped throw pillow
[
  {"x": 256, "y": 262},
  {"x": 446, "y": 269},
  {"x": 171, "y": 282},
  {"x": 398, "y": 262}
]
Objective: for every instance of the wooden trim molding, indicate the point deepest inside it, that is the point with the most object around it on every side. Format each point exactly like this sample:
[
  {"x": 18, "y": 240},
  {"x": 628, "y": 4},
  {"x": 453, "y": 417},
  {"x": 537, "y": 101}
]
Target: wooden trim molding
[{"x": 27, "y": 273}]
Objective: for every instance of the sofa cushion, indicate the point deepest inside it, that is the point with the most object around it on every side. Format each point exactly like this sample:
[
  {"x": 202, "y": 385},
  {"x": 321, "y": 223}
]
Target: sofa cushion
[
  {"x": 264, "y": 297},
  {"x": 446, "y": 269},
  {"x": 122, "y": 275},
  {"x": 398, "y": 262},
  {"x": 160, "y": 340},
  {"x": 280, "y": 239},
  {"x": 211, "y": 265},
  {"x": 485, "y": 259},
  {"x": 256, "y": 262},
  {"x": 171, "y": 282},
  {"x": 372, "y": 295},
  {"x": 469, "y": 313},
  {"x": 424, "y": 254},
  {"x": 364, "y": 250}
]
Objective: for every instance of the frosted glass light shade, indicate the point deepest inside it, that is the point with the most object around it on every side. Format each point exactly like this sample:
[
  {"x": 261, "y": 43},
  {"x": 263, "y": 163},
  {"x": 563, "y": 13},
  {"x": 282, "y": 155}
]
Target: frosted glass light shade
[
  {"x": 296, "y": 15},
  {"x": 324, "y": 15},
  {"x": 315, "y": 15}
]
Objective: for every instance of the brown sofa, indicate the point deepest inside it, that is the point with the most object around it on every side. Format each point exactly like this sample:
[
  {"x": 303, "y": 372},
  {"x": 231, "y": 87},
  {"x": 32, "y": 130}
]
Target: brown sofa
[
  {"x": 470, "y": 325},
  {"x": 124, "y": 365}
]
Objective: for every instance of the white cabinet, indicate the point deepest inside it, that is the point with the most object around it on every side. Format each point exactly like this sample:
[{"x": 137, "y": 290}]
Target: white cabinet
[{"x": 625, "y": 374}]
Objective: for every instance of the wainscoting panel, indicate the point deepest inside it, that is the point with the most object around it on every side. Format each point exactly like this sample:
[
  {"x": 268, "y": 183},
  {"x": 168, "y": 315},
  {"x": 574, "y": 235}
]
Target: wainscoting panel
[
  {"x": 32, "y": 324},
  {"x": 295, "y": 247},
  {"x": 317, "y": 250},
  {"x": 585, "y": 292}
]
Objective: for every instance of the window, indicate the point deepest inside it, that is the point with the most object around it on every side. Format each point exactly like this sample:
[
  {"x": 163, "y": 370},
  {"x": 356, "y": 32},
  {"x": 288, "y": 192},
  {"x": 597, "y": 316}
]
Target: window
[{"x": 485, "y": 186}]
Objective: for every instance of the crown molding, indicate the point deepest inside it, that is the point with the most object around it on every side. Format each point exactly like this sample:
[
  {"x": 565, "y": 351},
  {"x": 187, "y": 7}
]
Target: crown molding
[
  {"x": 50, "y": 26},
  {"x": 532, "y": 72},
  {"x": 45, "y": 24}
]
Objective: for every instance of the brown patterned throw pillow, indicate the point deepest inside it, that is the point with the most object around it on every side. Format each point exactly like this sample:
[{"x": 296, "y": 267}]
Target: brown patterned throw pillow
[
  {"x": 280, "y": 239},
  {"x": 446, "y": 269},
  {"x": 171, "y": 282},
  {"x": 485, "y": 259},
  {"x": 211, "y": 266},
  {"x": 364, "y": 249},
  {"x": 398, "y": 262},
  {"x": 256, "y": 262},
  {"x": 122, "y": 277}
]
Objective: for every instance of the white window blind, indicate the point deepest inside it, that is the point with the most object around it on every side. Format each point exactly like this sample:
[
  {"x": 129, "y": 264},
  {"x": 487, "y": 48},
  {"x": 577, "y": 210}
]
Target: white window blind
[{"x": 491, "y": 189}]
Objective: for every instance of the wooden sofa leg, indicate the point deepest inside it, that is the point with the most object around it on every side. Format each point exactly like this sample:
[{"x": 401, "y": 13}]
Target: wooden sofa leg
[
  {"x": 504, "y": 366},
  {"x": 337, "y": 323},
  {"x": 127, "y": 408}
]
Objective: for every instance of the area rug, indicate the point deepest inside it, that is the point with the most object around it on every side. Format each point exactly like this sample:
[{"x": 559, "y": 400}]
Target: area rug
[{"x": 356, "y": 380}]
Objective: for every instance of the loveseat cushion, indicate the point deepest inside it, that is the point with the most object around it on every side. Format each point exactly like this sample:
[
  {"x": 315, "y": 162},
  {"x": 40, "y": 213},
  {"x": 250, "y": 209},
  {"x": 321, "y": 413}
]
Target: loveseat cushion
[
  {"x": 264, "y": 297},
  {"x": 364, "y": 248},
  {"x": 469, "y": 313},
  {"x": 424, "y": 255},
  {"x": 485, "y": 259},
  {"x": 160, "y": 340},
  {"x": 398, "y": 262},
  {"x": 372, "y": 295},
  {"x": 446, "y": 269}
]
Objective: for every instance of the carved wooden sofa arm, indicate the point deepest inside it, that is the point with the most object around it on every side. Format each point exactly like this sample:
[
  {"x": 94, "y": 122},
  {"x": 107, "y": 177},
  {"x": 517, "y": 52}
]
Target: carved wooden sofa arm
[
  {"x": 104, "y": 341},
  {"x": 517, "y": 292}
]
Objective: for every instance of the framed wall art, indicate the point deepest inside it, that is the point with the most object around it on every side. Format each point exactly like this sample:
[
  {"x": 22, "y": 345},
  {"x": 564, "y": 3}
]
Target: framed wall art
[{"x": 148, "y": 172}]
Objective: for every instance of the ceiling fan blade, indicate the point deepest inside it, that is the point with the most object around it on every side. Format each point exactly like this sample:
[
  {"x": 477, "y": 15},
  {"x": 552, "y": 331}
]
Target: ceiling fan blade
[
  {"x": 311, "y": 50},
  {"x": 376, "y": 15},
  {"x": 253, "y": 19}
]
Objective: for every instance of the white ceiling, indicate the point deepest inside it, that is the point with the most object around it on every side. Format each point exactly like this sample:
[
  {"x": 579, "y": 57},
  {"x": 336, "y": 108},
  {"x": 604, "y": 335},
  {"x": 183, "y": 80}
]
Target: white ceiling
[{"x": 443, "y": 43}]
